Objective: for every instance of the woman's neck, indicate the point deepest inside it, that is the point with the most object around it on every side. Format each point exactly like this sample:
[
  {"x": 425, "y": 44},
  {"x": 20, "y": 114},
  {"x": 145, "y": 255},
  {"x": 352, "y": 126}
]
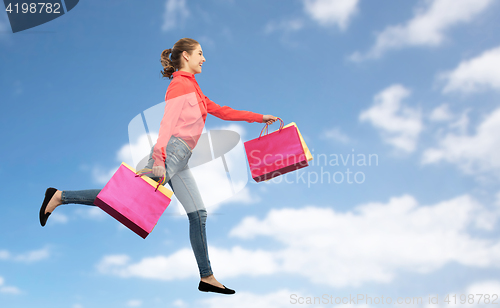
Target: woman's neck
[{"x": 186, "y": 70}]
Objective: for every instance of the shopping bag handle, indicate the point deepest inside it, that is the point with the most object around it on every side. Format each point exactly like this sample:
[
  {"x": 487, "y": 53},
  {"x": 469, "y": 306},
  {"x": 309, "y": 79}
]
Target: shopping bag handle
[
  {"x": 149, "y": 170},
  {"x": 265, "y": 127}
]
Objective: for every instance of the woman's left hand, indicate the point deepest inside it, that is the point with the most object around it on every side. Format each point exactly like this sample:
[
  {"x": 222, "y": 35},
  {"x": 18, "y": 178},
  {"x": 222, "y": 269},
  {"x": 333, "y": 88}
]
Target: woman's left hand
[
  {"x": 269, "y": 119},
  {"x": 159, "y": 171}
]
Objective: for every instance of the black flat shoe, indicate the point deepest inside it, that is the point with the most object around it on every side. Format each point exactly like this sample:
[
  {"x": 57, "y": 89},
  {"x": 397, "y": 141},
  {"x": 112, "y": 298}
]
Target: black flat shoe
[
  {"x": 206, "y": 287},
  {"x": 48, "y": 195}
]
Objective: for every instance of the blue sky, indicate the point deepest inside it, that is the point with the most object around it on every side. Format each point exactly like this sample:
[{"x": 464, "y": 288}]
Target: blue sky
[{"x": 414, "y": 83}]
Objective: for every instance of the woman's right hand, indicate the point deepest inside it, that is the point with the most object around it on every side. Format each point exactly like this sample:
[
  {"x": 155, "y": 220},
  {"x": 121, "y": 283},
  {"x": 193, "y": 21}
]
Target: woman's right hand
[
  {"x": 269, "y": 119},
  {"x": 159, "y": 171}
]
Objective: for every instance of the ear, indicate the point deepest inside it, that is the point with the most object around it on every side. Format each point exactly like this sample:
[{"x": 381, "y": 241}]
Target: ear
[{"x": 185, "y": 55}]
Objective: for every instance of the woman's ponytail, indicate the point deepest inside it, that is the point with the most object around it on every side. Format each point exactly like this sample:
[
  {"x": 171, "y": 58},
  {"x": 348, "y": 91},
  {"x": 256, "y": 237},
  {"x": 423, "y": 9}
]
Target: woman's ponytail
[{"x": 168, "y": 66}]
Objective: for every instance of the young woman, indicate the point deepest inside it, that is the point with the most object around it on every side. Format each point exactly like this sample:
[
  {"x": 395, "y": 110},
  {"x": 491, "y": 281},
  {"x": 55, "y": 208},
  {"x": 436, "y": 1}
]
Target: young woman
[{"x": 186, "y": 109}]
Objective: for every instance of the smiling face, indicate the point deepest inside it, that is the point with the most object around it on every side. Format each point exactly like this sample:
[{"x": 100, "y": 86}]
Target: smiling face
[{"x": 192, "y": 62}]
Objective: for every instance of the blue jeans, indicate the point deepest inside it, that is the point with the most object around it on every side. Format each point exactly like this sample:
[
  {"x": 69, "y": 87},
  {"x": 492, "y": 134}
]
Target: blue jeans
[{"x": 182, "y": 182}]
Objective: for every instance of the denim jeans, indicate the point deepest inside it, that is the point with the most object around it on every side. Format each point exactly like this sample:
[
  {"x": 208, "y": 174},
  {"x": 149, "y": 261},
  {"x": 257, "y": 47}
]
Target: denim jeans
[{"x": 185, "y": 189}]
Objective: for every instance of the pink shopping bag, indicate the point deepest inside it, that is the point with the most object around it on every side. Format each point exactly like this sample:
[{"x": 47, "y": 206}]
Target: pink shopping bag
[
  {"x": 134, "y": 199},
  {"x": 276, "y": 153}
]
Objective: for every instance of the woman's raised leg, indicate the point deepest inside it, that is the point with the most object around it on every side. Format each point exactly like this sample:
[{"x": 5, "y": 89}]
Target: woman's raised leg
[
  {"x": 58, "y": 197},
  {"x": 86, "y": 197}
]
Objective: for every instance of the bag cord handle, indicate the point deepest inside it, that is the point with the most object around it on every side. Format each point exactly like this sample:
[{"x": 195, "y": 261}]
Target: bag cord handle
[
  {"x": 149, "y": 170},
  {"x": 265, "y": 127}
]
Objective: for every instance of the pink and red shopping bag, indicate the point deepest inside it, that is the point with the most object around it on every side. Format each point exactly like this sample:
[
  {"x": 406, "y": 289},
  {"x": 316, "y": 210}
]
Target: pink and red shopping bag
[
  {"x": 276, "y": 153},
  {"x": 134, "y": 199}
]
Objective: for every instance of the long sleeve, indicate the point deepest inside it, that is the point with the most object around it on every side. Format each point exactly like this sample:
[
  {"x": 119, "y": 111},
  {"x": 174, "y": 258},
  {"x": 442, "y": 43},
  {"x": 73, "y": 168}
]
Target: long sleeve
[
  {"x": 230, "y": 114},
  {"x": 174, "y": 100}
]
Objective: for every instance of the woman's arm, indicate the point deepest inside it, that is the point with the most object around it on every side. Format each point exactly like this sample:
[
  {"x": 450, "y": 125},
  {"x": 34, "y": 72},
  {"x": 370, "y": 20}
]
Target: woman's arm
[{"x": 230, "y": 114}]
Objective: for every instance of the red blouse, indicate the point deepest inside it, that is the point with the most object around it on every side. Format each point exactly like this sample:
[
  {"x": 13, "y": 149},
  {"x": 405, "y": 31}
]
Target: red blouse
[{"x": 185, "y": 113}]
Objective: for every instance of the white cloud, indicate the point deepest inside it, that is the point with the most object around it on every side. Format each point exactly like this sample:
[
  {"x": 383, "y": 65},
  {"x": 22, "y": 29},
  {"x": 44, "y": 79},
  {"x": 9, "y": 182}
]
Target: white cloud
[
  {"x": 179, "y": 303},
  {"x": 108, "y": 262},
  {"x": 461, "y": 123},
  {"x": 327, "y": 12},
  {"x": 372, "y": 243},
  {"x": 8, "y": 289},
  {"x": 376, "y": 240},
  {"x": 399, "y": 125},
  {"x": 473, "y": 154},
  {"x": 134, "y": 303},
  {"x": 428, "y": 26},
  {"x": 28, "y": 257},
  {"x": 244, "y": 196},
  {"x": 58, "y": 218},
  {"x": 232, "y": 262},
  {"x": 486, "y": 288},
  {"x": 239, "y": 261},
  {"x": 324, "y": 12},
  {"x": 178, "y": 265},
  {"x": 4, "y": 255},
  {"x": 124, "y": 154},
  {"x": 33, "y": 256},
  {"x": 441, "y": 114},
  {"x": 336, "y": 135},
  {"x": 175, "y": 13},
  {"x": 474, "y": 75}
]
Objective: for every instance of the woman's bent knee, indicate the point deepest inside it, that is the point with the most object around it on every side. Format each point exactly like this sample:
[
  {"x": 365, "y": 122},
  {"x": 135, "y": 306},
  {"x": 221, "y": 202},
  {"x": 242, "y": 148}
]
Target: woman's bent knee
[{"x": 199, "y": 214}]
